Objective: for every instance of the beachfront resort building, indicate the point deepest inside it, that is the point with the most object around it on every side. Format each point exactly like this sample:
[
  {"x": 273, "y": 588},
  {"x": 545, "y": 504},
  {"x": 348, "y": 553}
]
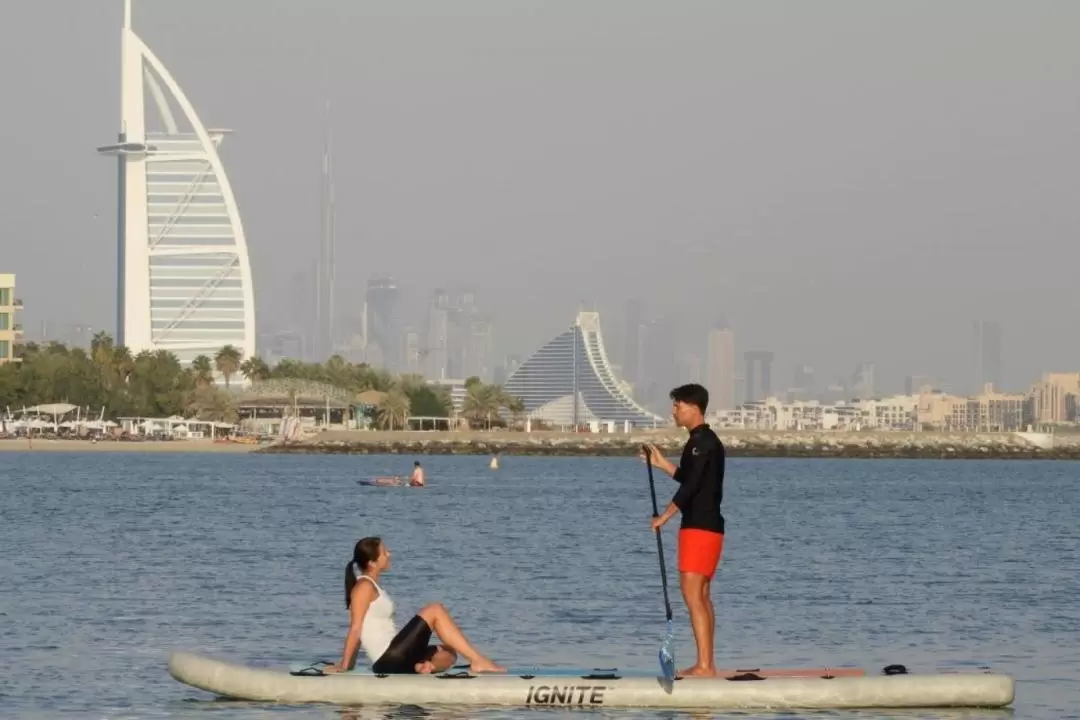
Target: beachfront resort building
[
  {"x": 990, "y": 411},
  {"x": 184, "y": 276},
  {"x": 569, "y": 382},
  {"x": 11, "y": 331}
]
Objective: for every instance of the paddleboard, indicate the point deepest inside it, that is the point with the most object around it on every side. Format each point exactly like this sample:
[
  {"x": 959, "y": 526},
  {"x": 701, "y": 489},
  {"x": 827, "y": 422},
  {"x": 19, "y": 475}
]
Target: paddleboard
[
  {"x": 382, "y": 482},
  {"x": 757, "y": 688}
]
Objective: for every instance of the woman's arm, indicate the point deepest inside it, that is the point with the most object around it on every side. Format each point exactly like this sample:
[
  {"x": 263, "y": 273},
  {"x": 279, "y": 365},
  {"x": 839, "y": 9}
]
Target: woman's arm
[{"x": 362, "y": 596}]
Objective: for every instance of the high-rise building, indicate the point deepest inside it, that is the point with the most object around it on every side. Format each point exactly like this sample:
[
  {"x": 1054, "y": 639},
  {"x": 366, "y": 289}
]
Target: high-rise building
[
  {"x": 183, "y": 274},
  {"x": 569, "y": 381},
  {"x": 382, "y": 324},
  {"x": 412, "y": 353},
  {"x": 803, "y": 380},
  {"x": 476, "y": 358},
  {"x": 862, "y": 381},
  {"x": 438, "y": 335},
  {"x": 758, "y": 374},
  {"x": 720, "y": 366},
  {"x": 659, "y": 373},
  {"x": 11, "y": 332},
  {"x": 988, "y": 367},
  {"x": 914, "y": 384},
  {"x": 460, "y": 337},
  {"x": 633, "y": 359},
  {"x": 689, "y": 370}
]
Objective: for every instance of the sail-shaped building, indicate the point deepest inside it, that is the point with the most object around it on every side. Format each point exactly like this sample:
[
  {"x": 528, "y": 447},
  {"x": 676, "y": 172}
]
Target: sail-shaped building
[
  {"x": 183, "y": 272},
  {"x": 569, "y": 381}
]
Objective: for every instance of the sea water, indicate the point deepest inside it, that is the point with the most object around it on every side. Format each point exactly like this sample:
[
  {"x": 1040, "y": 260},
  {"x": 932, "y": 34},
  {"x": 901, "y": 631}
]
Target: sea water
[{"x": 109, "y": 561}]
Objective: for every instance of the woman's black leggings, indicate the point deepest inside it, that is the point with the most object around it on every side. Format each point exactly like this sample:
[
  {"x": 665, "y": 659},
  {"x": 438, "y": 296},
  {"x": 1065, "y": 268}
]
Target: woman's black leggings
[{"x": 408, "y": 648}]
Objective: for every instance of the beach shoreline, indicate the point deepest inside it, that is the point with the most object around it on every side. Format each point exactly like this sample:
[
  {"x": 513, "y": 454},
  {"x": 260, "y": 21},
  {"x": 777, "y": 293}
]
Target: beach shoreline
[
  {"x": 41, "y": 445},
  {"x": 737, "y": 443}
]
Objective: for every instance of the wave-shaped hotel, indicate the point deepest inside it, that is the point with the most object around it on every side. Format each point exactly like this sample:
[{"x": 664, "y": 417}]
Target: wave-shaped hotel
[
  {"x": 569, "y": 381},
  {"x": 183, "y": 272}
]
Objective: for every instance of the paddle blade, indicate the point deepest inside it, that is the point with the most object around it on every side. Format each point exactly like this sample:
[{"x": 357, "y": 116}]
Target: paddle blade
[{"x": 667, "y": 655}]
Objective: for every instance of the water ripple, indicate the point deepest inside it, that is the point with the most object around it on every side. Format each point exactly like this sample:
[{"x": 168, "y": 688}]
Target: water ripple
[{"x": 111, "y": 562}]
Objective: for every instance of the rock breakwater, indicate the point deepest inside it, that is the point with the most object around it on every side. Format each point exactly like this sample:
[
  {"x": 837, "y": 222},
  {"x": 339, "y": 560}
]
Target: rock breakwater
[{"x": 739, "y": 443}]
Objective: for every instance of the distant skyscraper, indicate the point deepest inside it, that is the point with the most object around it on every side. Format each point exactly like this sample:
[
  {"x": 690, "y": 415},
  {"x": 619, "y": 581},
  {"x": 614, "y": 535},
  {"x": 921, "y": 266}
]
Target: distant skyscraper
[
  {"x": 634, "y": 341},
  {"x": 460, "y": 338},
  {"x": 507, "y": 368},
  {"x": 720, "y": 366},
  {"x": 913, "y": 384},
  {"x": 988, "y": 354},
  {"x": 325, "y": 278},
  {"x": 438, "y": 335},
  {"x": 476, "y": 360},
  {"x": 804, "y": 382},
  {"x": 660, "y": 370},
  {"x": 382, "y": 326},
  {"x": 689, "y": 371},
  {"x": 412, "y": 353},
  {"x": 758, "y": 374},
  {"x": 184, "y": 277},
  {"x": 862, "y": 381}
]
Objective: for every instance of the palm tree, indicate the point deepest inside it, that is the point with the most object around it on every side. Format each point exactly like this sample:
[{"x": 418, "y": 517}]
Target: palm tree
[
  {"x": 338, "y": 372},
  {"x": 122, "y": 363},
  {"x": 516, "y": 407},
  {"x": 203, "y": 370},
  {"x": 210, "y": 403},
  {"x": 481, "y": 402},
  {"x": 227, "y": 361},
  {"x": 393, "y": 408},
  {"x": 255, "y": 368},
  {"x": 101, "y": 348}
]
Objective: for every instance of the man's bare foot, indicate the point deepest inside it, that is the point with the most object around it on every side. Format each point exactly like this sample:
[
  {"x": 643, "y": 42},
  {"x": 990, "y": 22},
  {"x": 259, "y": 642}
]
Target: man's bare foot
[
  {"x": 425, "y": 668},
  {"x": 484, "y": 665},
  {"x": 698, "y": 671}
]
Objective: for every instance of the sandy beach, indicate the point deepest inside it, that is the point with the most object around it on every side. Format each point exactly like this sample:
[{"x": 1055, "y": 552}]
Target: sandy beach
[{"x": 172, "y": 446}]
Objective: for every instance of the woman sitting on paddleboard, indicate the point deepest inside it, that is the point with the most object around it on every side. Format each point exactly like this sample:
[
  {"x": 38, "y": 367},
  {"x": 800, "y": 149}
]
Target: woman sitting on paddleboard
[{"x": 371, "y": 624}]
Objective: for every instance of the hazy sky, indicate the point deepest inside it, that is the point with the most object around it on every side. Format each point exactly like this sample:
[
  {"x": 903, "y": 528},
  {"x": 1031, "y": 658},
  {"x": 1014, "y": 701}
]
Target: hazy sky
[{"x": 844, "y": 180}]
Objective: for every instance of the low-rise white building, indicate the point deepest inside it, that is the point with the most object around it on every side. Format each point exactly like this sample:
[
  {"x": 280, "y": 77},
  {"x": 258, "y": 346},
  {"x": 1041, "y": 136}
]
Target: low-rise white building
[{"x": 893, "y": 413}]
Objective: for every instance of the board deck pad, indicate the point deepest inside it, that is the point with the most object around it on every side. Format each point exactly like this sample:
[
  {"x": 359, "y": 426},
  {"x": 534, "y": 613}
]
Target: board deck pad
[{"x": 747, "y": 673}]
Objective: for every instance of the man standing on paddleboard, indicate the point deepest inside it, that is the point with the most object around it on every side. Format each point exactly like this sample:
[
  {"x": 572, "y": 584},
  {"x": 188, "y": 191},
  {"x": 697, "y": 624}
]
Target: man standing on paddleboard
[{"x": 700, "y": 475}]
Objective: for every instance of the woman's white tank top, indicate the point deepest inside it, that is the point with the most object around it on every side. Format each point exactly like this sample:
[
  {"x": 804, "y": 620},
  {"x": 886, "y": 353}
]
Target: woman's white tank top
[{"x": 378, "y": 629}]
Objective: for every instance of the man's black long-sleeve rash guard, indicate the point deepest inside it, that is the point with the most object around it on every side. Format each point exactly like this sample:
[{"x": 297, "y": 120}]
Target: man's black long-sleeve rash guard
[{"x": 701, "y": 481}]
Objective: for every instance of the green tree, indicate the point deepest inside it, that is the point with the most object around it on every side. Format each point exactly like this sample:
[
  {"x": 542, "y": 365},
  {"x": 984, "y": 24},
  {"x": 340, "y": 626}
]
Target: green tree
[
  {"x": 393, "y": 411},
  {"x": 227, "y": 361},
  {"x": 483, "y": 404},
  {"x": 255, "y": 368},
  {"x": 203, "y": 369}
]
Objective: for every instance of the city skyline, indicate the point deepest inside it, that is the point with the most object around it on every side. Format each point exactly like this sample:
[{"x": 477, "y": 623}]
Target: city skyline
[{"x": 859, "y": 227}]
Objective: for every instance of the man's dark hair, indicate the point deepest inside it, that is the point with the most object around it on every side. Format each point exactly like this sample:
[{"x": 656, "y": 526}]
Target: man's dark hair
[{"x": 692, "y": 394}]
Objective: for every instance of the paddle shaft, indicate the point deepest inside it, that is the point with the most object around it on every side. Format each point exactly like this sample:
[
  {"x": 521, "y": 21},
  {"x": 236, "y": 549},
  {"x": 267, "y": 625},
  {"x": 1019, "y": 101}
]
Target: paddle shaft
[{"x": 659, "y": 540}]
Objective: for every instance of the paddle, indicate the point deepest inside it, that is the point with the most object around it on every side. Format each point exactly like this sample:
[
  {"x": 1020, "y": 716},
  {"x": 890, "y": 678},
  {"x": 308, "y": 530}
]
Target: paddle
[{"x": 667, "y": 657}]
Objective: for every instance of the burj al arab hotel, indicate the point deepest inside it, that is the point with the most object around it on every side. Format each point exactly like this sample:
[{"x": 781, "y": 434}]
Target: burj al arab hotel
[{"x": 183, "y": 275}]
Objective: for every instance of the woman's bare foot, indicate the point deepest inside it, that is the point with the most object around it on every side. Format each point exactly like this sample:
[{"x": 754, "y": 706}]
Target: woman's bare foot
[
  {"x": 698, "y": 671},
  {"x": 484, "y": 665},
  {"x": 425, "y": 668}
]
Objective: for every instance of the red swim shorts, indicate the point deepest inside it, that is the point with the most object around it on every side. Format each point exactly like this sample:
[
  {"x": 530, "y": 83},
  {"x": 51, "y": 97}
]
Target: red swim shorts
[{"x": 699, "y": 551}]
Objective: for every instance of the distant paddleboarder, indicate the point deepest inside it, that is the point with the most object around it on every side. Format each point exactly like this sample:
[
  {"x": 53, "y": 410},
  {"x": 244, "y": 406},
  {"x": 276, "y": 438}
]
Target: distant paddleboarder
[
  {"x": 371, "y": 625},
  {"x": 700, "y": 475},
  {"x": 417, "y": 479}
]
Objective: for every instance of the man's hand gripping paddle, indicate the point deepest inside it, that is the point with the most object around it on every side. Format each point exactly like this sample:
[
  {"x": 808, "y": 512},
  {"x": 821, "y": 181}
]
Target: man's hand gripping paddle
[{"x": 667, "y": 657}]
